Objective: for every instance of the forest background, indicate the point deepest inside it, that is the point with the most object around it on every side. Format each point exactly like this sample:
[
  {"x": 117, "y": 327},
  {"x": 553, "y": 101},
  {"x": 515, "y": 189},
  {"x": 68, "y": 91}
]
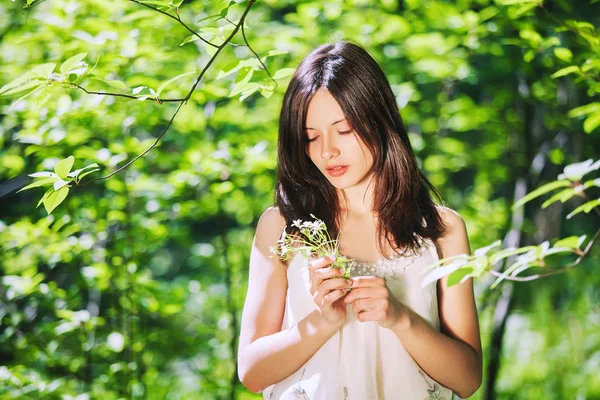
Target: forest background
[{"x": 133, "y": 285}]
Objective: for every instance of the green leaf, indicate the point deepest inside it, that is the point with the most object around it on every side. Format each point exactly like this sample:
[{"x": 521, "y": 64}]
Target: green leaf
[
  {"x": 586, "y": 207},
  {"x": 68, "y": 65},
  {"x": 63, "y": 167},
  {"x": 166, "y": 83},
  {"x": 43, "y": 71},
  {"x": 440, "y": 272},
  {"x": 485, "y": 250},
  {"x": 593, "y": 182},
  {"x": 60, "y": 183},
  {"x": 563, "y": 53},
  {"x": 591, "y": 122},
  {"x": 563, "y": 196},
  {"x": 80, "y": 177},
  {"x": 540, "y": 191},
  {"x": 272, "y": 53},
  {"x": 505, "y": 253},
  {"x": 584, "y": 110},
  {"x": 27, "y": 94},
  {"x": 26, "y": 86},
  {"x": 38, "y": 183},
  {"x": 74, "y": 174},
  {"x": 248, "y": 63},
  {"x": 571, "y": 69},
  {"x": 457, "y": 276},
  {"x": 244, "y": 89},
  {"x": 447, "y": 260},
  {"x": 572, "y": 242},
  {"x": 45, "y": 196},
  {"x": 113, "y": 83},
  {"x": 162, "y": 3},
  {"x": 55, "y": 198},
  {"x": 515, "y": 2},
  {"x": 244, "y": 75},
  {"x": 284, "y": 73},
  {"x": 218, "y": 16},
  {"x": 189, "y": 39},
  {"x": 20, "y": 80},
  {"x": 266, "y": 92}
]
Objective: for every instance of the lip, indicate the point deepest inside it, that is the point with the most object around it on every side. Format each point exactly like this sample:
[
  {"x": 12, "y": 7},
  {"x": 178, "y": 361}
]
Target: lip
[{"x": 337, "y": 172}]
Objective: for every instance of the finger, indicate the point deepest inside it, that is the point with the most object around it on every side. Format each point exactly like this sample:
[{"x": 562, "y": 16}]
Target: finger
[
  {"x": 331, "y": 297},
  {"x": 365, "y": 293},
  {"x": 370, "y": 315},
  {"x": 317, "y": 277},
  {"x": 364, "y": 305},
  {"x": 319, "y": 263},
  {"x": 368, "y": 281},
  {"x": 333, "y": 284},
  {"x": 328, "y": 272}
]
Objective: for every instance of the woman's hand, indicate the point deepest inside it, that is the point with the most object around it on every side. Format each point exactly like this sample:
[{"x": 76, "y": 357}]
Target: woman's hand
[
  {"x": 372, "y": 300},
  {"x": 327, "y": 290}
]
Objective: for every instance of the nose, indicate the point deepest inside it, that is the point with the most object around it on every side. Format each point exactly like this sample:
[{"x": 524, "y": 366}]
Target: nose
[{"x": 329, "y": 148}]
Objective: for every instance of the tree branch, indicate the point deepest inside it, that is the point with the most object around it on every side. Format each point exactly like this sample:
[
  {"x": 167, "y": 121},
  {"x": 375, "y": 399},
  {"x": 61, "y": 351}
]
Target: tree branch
[
  {"x": 553, "y": 272},
  {"x": 178, "y": 19},
  {"x": 128, "y": 96},
  {"x": 185, "y": 100}
]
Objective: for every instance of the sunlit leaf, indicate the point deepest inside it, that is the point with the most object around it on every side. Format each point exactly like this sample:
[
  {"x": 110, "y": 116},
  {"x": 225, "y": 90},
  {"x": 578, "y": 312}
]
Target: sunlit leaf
[
  {"x": 113, "y": 83},
  {"x": 563, "y": 196},
  {"x": 484, "y": 250},
  {"x": 540, "y": 191},
  {"x": 440, "y": 272},
  {"x": 459, "y": 276},
  {"x": 166, "y": 83},
  {"x": 55, "y": 198},
  {"x": 68, "y": 65},
  {"x": 283, "y": 73},
  {"x": 586, "y": 207},
  {"x": 573, "y": 242},
  {"x": 591, "y": 122},
  {"x": 571, "y": 69},
  {"x": 563, "y": 53},
  {"x": 63, "y": 167},
  {"x": 38, "y": 183}
]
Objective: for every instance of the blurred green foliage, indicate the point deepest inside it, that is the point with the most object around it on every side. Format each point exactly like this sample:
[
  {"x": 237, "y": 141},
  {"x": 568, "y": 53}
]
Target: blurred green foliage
[{"x": 133, "y": 287}]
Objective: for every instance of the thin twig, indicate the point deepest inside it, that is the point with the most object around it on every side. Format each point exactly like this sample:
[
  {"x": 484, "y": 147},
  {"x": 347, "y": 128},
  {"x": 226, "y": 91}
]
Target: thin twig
[
  {"x": 185, "y": 100},
  {"x": 128, "y": 96},
  {"x": 257, "y": 56},
  {"x": 176, "y": 18},
  {"x": 553, "y": 272}
]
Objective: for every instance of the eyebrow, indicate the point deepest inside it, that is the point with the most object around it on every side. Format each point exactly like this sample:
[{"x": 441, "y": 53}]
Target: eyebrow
[{"x": 312, "y": 129}]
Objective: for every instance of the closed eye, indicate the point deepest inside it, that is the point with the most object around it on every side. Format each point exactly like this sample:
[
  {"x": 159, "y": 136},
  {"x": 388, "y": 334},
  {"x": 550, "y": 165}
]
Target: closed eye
[{"x": 340, "y": 132}]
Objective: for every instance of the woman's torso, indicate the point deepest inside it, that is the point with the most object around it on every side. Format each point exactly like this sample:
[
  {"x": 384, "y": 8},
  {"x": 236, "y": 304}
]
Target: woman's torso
[{"x": 362, "y": 360}]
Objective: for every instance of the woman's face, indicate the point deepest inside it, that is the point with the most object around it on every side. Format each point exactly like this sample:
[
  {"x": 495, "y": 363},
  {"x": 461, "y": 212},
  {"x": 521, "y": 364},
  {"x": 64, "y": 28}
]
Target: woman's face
[{"x": 333, "y": 142}]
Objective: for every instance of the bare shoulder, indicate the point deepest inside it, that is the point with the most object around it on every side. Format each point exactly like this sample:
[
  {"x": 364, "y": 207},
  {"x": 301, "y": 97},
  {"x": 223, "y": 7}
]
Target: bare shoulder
[
  {"x": 270, "y": 225},
  {"x": 452, "y": 219},
  {"x": 454, "y": 241}
]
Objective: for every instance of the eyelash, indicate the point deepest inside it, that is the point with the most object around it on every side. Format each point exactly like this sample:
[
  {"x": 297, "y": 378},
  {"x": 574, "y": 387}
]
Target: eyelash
[{"x": 340, "y": 132}]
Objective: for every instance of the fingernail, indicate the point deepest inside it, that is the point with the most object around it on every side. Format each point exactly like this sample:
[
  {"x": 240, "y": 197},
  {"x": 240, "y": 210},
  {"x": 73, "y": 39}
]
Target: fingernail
[
  {"x": 332, "y": 258},
  {"x": 350, "y": 281}
]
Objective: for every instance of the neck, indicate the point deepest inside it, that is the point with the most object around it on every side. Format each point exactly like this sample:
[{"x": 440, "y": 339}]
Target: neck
[{"x": 359, "y": 199}]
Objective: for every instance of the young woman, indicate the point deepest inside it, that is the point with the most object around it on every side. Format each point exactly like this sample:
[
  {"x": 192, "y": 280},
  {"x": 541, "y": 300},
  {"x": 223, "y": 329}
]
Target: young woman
[{"x": 344, "y": 156}]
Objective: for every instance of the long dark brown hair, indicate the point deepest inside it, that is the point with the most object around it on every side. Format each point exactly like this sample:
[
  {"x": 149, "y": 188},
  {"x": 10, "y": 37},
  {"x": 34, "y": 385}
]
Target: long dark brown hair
[{"x": 402, "y": 202}]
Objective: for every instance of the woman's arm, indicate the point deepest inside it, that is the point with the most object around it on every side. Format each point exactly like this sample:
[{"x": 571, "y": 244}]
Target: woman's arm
[
  {"x": 453, "y": 356},
  {"x": 267, "y": 355}
]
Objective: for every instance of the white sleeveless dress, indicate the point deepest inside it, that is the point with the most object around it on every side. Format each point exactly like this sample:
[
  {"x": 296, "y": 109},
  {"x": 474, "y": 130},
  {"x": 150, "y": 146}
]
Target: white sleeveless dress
[{"x": 363, "y": 361}]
